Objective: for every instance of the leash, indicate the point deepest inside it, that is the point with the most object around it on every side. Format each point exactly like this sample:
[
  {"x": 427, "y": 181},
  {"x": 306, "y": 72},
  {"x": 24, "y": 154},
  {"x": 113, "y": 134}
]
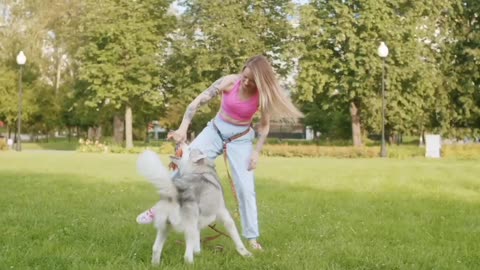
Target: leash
[{"x": 225, "y": 158}]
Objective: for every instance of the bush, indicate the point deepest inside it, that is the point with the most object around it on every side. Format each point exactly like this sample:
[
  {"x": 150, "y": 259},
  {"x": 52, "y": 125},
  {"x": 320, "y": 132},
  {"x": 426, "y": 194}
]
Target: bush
[
  {"x": 286, "y": 150},
  {"x": 92, "y": 147},
  {"x": 3, "y": 144},
  {"x": 87, "y": 146},
  {"x": 400, "y": 152},
  {"x": 298, "y": 148},
  {"x": 465, "y": 151}
]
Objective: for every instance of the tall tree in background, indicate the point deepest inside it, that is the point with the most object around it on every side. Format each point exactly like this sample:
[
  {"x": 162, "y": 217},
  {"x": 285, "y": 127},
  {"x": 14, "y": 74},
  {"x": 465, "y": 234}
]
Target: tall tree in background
[
  {"x": 20, "y": 30},
  {"x": 339, "y": 65},
  {"x": 118, "y": 55},
  {"x": 215, "y": 39},
  {"x": 461, "y": 69}
]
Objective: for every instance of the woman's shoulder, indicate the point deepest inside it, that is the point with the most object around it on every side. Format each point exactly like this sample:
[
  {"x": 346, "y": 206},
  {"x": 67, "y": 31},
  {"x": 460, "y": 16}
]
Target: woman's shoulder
[{"x": 228, "y": 81}]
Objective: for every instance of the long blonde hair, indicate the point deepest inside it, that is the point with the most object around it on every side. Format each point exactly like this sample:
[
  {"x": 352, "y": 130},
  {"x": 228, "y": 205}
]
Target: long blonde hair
[{"x": 273, "y": 99}]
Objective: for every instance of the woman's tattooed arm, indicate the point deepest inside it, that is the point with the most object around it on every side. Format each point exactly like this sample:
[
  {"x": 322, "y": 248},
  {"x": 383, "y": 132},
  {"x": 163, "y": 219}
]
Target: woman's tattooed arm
[
  {"x": 263, "y": 130},
  {"x": 207, "y": 95}
]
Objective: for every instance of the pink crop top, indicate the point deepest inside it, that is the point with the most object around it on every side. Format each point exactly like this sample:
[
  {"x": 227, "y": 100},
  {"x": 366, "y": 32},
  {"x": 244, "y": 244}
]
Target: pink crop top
[{"x": 241, "y": 110}]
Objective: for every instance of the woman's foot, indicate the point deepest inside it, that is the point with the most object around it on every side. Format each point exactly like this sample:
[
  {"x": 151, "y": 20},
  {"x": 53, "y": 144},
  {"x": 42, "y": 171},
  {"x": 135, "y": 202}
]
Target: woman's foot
[
  {"x": 145, "y": 217},
  {"x": 254, "y": 245}
]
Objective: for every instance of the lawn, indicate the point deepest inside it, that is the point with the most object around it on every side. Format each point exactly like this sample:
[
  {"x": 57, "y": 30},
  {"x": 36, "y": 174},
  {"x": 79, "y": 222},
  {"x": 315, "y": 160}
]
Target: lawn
[{"x": 68, "y": 210}]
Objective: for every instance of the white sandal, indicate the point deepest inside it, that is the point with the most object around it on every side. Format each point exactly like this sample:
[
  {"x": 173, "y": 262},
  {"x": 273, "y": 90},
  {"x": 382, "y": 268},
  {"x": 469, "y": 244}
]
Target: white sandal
[{"x": 146, "y": 217}]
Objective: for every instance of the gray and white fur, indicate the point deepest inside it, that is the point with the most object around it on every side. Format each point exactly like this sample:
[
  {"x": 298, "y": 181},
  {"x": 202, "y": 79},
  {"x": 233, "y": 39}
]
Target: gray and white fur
[{"x": 189, "y": 201}]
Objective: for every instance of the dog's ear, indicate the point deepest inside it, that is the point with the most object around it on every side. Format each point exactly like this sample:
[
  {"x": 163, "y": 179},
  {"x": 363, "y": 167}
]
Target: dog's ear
[
  {"x": 198, "y": 158},
  {"x": 196, "y": 155}
]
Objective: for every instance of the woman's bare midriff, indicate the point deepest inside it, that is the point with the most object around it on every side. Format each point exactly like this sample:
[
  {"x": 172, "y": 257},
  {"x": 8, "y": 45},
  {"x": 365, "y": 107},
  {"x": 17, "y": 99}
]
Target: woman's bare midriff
[{"x": 230, "y": 120}]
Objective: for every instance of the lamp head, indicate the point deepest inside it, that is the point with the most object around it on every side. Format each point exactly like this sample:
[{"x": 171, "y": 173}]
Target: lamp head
[
  {"x": 382, "y": 50},
  {"x": 21, "y": 58}
]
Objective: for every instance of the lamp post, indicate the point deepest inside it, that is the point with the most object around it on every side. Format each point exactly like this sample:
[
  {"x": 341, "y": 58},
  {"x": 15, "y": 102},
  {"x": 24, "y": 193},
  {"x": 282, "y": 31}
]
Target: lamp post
[
  {"x": 383, "y": 53},
  {"x": 21, "y": 59}
]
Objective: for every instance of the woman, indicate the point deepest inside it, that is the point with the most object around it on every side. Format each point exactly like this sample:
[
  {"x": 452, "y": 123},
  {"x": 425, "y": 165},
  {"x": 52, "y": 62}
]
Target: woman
[{"x": 254, "y": 89}]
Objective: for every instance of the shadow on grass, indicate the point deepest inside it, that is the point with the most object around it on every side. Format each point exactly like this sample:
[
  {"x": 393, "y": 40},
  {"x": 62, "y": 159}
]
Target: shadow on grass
[{"x": 68, "y": 222}]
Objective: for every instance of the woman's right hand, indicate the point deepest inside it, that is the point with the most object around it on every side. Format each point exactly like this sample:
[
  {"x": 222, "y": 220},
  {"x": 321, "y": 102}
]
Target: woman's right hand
[{"x": 179, "y": 136}]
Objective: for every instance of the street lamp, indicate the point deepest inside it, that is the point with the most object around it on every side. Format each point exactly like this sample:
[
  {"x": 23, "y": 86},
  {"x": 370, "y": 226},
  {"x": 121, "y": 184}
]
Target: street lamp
[
  {"x": 383, "y": 53},
  {"x": 21, "y": 59}
]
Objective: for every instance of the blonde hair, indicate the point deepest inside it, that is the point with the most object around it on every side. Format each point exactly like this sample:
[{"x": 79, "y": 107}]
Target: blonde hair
[{"x": 273, "y": 99}]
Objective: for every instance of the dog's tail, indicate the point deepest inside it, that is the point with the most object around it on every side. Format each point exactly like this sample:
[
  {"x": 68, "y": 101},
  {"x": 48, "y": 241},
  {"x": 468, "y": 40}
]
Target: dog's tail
[{"x": 151, "y": 167}]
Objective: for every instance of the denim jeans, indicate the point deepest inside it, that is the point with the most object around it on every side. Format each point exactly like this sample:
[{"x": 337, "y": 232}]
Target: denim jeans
[{"x": 238, "y": 153}]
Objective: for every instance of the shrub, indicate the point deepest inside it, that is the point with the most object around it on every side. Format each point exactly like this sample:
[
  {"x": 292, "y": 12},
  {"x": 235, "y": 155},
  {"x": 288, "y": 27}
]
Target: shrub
[
  {"x": 465, "y": 151},
  {"x": 299, "y": 149},
  {"x": 3, "y": 144},
  {"x": 404, "y": 151},
  {"x": 87, "y": 146},
  {"x": 286, "y": 150},
  {"x": 91, "y": 147}
]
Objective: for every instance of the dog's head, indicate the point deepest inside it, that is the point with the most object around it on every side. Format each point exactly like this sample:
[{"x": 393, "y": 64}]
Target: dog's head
[{"x": 191, "y": 160}]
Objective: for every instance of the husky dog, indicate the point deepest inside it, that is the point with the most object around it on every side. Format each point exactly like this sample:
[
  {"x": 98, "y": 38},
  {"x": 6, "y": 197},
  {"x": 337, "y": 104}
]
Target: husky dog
[{"x": 189, "y": 201}]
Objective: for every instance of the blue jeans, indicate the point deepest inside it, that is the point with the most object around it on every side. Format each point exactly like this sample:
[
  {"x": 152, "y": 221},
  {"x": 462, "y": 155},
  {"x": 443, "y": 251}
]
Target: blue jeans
[{"x": 238, "y": 153}]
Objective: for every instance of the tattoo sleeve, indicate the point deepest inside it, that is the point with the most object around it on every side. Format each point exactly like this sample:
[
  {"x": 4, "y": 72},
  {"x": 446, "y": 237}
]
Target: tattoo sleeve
[
  {"x": 263, "y": 130},
  {"x": 207, "y": 95}
]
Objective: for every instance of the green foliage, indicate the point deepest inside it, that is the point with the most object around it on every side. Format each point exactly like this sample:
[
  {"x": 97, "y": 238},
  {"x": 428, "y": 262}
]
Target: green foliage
[
  {"x": 461, "y": 71},
  {"x": 466, "y": 151},
  {"x": 339, "y": 64},
  {"x": 394, "y": 152},
  {"x": 332, "y": 124},
  {"x": 87, "y": 146},
  {"x": 119, "y": 51},
  {"x": 215, "y": 39},
  {"x": 87, "y": 60}
]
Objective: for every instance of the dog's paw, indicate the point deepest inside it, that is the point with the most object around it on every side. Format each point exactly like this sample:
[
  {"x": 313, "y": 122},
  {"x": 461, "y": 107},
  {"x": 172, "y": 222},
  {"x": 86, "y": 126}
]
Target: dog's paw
[
  {"x": 155, "y": 262},
  {"x": 188, "y": 259}
]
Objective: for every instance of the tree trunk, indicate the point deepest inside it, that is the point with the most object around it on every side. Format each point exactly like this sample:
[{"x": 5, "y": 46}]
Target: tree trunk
[
  {"x": 356, "y": 125},
  {"x": 91, "y": 133},
  {"x": 94, "y": 133},
  {"x": 118, "y": 129},
  {"x": 128, "y": 128},
  {"x": 147, "y": 138},
  {"x": 98, "y": 133},
  {"x": 59, "y": 66},
  {"x": 422, "y": 138}
]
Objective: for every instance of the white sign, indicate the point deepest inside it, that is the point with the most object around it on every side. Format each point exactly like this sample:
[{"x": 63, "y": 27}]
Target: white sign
[
  {"x": 309, "y": 133},
  {"x": 432, "y": 146}
]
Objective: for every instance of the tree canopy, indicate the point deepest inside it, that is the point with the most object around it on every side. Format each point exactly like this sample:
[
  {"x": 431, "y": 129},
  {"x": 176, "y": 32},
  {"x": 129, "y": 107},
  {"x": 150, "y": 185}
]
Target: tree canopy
[{"x": 93, "y": 64}]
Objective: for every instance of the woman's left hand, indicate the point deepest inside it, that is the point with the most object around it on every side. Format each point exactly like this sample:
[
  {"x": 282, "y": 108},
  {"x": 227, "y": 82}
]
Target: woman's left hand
[{"x": 253, "y": 161}]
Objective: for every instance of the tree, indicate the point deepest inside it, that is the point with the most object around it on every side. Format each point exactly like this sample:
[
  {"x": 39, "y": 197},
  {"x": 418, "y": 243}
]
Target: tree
[
  {"x": 461, "y": 71},
  {"x": 339, "y": 63},
  {"x": 215, "y": 39},
  {"x": 118, "y": 54}
]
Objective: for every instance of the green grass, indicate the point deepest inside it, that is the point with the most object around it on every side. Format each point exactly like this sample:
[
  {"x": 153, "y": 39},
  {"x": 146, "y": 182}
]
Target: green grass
[
  {"x": 67, "y": 210},
  {"x": 53, "y": 144}
]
